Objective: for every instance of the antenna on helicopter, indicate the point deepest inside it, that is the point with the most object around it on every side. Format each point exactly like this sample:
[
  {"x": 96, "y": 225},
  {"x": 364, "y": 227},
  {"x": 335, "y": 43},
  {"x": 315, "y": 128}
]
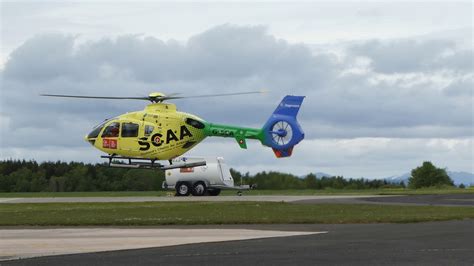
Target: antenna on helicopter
[{"x": 154, "y": 97}]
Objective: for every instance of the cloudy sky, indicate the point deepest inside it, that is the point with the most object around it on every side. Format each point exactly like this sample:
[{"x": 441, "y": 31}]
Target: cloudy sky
[{"x": 388, "y": 84}]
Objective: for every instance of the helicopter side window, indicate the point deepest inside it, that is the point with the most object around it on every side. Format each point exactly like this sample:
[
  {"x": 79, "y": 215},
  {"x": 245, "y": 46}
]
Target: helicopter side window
[
  {"x": 129, "y": 130},
  {"x": 148, "y": 130},
  {"x": 112, "y": 130}
]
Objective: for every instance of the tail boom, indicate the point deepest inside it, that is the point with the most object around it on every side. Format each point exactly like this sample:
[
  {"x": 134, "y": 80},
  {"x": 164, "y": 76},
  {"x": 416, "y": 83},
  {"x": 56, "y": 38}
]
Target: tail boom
[
  {"x": 240, "y": 134},
  {"x": 281, "y": 132}
]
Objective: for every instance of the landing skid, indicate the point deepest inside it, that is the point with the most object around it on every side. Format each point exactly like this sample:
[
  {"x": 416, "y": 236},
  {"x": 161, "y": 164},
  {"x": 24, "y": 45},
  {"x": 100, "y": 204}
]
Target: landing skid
[{"x": 141, "y": 163}]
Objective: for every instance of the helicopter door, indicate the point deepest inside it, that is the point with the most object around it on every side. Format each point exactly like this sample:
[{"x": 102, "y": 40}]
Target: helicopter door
[
  {"x": 110, "y": 136},
  {"x": 129, "y": 137}
]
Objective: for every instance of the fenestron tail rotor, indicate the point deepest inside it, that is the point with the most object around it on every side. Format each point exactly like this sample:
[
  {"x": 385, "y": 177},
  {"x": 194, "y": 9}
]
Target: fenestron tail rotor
[
  {"x": 154, "y": 97},
  {"x": 282, "y": 133}
]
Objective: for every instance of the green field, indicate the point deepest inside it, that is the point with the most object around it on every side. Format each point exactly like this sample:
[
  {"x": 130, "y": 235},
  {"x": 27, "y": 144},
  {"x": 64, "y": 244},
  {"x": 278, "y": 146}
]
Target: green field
[
  {"x": 182, "y": 213},
  {"x": 386, "y": 191}
]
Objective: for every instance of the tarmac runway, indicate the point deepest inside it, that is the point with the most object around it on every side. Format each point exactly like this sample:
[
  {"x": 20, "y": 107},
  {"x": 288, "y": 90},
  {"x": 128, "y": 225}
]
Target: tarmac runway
[
  {"x": 272, "y": 198},
  {"x": 439, "y": 200},
  {"x": 433, "y": 243},
  {"x": 421, "y": 200}
]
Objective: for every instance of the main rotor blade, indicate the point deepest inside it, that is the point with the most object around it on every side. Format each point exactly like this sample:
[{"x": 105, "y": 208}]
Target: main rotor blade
[
  {"x": 151, "y": 98},
  {"x": 95, "y": 97},
  {"x": 213, "y": 95}
]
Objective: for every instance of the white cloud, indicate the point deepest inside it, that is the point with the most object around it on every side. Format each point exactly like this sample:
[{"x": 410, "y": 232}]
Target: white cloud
[{"x": 310, "y": 22}]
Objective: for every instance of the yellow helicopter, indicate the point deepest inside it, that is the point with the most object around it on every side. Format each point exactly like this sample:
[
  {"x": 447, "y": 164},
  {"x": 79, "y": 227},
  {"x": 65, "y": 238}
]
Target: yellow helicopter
[{"x": 160, "y": 132}]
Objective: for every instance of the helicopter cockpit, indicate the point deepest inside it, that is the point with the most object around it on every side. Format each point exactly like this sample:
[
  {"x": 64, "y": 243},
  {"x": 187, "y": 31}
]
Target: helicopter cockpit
[
  {"x": 95, "y": 132},
  {"x": 114, "y": 129}
]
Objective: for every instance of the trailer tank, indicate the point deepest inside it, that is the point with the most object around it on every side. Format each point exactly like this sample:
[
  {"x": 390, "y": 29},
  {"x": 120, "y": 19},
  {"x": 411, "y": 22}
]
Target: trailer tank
[{"x": 209, "y": 179}]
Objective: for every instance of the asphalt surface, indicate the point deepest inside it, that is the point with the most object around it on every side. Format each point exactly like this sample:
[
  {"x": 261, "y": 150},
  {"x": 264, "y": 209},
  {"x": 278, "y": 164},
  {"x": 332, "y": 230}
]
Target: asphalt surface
[
  {"x": 266, "y": 198},
  {"x": 433, "y": 243},
  {"x": 443, "y": 200},
  {"x": 422, "y": 200},
  {"x": 438, "y": 200}
]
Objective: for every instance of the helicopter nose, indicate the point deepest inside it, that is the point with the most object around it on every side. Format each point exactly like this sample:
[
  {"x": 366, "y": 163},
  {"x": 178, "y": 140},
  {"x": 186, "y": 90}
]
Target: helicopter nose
[
  {"x": 94, "y": 134},
  {"x": 91, "y": 137},
  {"x": 90, "y": 140}
]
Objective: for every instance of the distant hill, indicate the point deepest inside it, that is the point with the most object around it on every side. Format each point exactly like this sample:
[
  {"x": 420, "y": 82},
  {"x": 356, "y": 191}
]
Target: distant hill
[
  {"x": 398, "y": 179},
  {"x": 321, "y": 174},
  {"x": 458, "y": 178}
]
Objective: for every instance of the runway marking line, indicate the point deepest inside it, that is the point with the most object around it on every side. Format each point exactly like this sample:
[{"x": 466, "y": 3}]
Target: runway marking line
[{"x": 28, "y": 243}]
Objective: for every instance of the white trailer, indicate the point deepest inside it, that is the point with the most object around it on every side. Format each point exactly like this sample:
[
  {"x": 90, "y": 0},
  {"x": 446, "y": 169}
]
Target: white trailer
[{"x": 209, "y": 179}]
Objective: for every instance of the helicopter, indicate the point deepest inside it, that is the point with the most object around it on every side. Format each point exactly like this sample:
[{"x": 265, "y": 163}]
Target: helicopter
[{"x": 160, "y": 132}]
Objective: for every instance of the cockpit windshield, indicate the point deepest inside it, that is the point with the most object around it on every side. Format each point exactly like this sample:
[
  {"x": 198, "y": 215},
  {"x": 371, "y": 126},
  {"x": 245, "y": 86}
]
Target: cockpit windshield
[{"x": 96, "y": 130}]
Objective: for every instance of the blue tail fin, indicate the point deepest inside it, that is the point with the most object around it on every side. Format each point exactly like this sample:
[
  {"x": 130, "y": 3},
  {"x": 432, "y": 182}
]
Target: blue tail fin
[{"x": 282, "y": 131}]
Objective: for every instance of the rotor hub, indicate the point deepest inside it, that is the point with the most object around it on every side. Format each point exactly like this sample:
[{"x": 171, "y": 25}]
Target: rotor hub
[{"x": 281, "y": 132}]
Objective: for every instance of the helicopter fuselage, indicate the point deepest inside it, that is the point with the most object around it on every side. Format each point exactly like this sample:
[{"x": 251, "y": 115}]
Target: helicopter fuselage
[{"x": 160, "y": 132}]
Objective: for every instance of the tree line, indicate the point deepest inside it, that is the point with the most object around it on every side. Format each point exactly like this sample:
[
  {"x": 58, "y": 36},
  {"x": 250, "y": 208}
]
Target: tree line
[
  {"x": 30, "y": 176},
  {"x": 277, "y": 180}
]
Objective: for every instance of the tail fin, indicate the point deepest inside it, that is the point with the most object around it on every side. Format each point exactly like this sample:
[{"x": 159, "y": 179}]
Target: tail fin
[{"x": 282, "y": 132}]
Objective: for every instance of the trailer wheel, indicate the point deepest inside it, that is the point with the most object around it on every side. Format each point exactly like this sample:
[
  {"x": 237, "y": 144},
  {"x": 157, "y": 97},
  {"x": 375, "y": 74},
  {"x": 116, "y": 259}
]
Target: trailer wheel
[
  {"x": 199, "y": 189},
  {"x": 214, "y": 192},
  {"x": 182, "y": 189}
]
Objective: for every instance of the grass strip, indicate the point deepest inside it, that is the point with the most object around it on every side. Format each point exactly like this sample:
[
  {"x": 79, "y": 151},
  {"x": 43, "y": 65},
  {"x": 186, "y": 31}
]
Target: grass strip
[{"x": 184, "y": 213}]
